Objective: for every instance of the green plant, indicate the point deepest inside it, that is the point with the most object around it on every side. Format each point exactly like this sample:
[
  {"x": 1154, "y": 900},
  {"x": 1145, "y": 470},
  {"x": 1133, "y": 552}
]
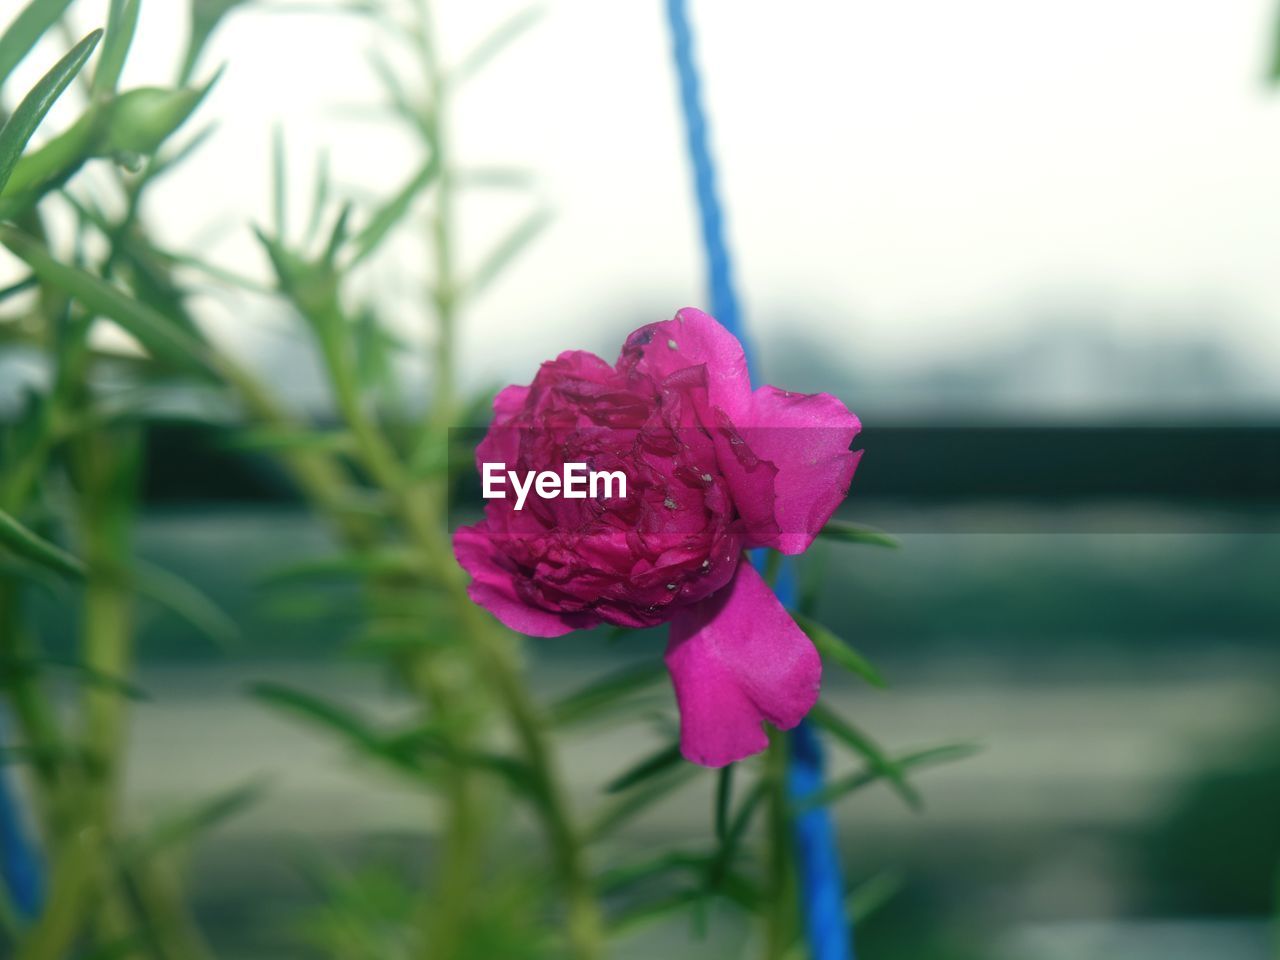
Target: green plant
[{"x": 478, "y": 743}]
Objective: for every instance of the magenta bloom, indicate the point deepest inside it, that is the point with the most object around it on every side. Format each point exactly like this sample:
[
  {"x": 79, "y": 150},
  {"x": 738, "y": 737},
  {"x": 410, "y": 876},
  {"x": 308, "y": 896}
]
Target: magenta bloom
[{"x": 712, "y": 467}]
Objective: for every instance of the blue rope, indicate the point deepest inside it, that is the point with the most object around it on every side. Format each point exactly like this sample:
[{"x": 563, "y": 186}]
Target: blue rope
[
  {"x": 19, "y": 861},
  {"x": 724, "y": 299},
  {"x": 822, "y": 887}
]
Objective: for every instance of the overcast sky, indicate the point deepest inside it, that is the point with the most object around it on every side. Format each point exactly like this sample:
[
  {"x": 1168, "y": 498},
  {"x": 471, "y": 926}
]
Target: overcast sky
[{"x": 904, "y": 180}]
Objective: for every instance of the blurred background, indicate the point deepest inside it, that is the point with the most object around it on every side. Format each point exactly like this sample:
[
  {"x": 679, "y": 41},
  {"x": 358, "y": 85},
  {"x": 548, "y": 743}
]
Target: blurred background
[{"x": 1033, "y": 246}]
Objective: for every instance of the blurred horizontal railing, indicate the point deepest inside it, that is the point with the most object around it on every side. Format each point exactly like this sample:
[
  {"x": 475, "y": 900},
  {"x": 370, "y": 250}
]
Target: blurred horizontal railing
[{"x": 1215, "y": 465}]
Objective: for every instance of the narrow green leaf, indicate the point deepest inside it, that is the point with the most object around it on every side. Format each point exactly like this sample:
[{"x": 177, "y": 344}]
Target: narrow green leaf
[
  {"x": 635, "y": 802},
  {"x": 171, "y": 161},
  {"x": 403, "y": 751},
  {"x": 122, "y": 22},
  {"x": 501, "y": 37},
  {"x": 842, "y": 532},
  {"x": 279, "y": 185},
  {"x": 739, "y": 892},
  {"x": 841, "y": 788},
  {"x": 165, "y": 339},
  {"x": 860, "y": 743},
  {"x": 187, "y": 601},
  {"x": 401, "y": 104},
  {"x": 386, "y": 217},
  {"x": 26, "y": 30},
  {"x": 337, "y": 236},
  {"x": 737, "y": 829},
  {"x": 621, "y": 878},
  {"x": 35, "y": 548},
  {"x": 647, "y": 768},
  {"x": 724, "y": 798},
  {"x": 651, "y": 912},
  {"x": 320, "y": 199},
  {"x": 1273, "y": 78},
  {"x": 221, "y": 274},
  {"x": 834, "y": 649},
  {"x": 35, "y": 574},
  {"x": 872, "y": 894},
  {"x": 54, "y": 163},
  {"x": 85, "y": 674},
  {"x": 183, "y": 829},
  {"x": 17, "y": 132},
  {"x": 813, "y": 569},
  {"x": 511, "y": 246},
  {"x": 598, "y": 697},
  {"x": 322, "y": 713},
  {"x": 18, "y": 286},
  {"x": 406, "y": 747}
]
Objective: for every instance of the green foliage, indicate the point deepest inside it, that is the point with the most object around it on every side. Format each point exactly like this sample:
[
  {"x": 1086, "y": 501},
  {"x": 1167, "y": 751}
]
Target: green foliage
[
  {"x": 26, "y": 30},
  {"x": 846, "y": 734},
  {"x": 885, "y": 768},
  {"x": 1273, "y": 61},
  {"x": 835, "y": 650},
  {"x": 122, "y": 23},
  {"x": 166, "y": 340},
  {"x": 606, "y": 695},
  {"x": 180, "y": 830},
  {"x": 26, "y": 544},
  {"x": 470, "y": 739},
  {"x": 143, "y": 119},
  {"x": 20, "y": 127},
  {"x": 843, "y": 532},
  {"x": 646, "y": 768}
]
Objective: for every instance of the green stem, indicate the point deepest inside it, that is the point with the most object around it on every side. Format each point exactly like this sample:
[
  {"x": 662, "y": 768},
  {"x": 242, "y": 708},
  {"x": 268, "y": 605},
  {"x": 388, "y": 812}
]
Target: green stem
[
  {"x": 781, "y": 922},
  {"x": 86, "y": 806},
  {"x": 445, "y": 293},
  {"x": 447, "y": 913},
  {"x": 74, "y": 866},
  {"x": 584, "y": 924},
  {"x": 108, "y": 466}
]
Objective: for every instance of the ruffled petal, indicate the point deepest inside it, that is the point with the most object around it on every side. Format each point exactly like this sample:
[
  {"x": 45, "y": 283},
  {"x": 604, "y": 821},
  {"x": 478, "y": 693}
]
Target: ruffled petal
[
  {"x": 806, "y": 436},
  {"x": 509, "y": 401},
  {"x": 493, "y": 586},
  {"x": 737, "y": 659},
  {"x": 693, "y": 339}
]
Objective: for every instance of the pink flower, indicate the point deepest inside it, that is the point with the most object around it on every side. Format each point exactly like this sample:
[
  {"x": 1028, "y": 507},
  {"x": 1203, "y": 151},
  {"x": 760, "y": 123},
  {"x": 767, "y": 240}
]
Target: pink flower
[{"x": 712, "y": 467}]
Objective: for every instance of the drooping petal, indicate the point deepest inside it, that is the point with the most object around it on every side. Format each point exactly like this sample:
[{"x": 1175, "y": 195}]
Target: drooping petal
[
  {"x": 737, "y": 659},
  {"x": 806, "y": 436},
  {"x": 493, "y": 586},
  {"x": 693, "y": 339}
]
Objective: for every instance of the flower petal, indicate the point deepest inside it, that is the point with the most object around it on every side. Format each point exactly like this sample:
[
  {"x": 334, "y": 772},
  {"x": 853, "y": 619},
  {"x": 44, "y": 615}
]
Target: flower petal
[
  {"x": 736, "y": 659},
  {"x": 807, "y": 436},
  {"x": 493, "y": 586},
  {"x": 691, "y": 339}
]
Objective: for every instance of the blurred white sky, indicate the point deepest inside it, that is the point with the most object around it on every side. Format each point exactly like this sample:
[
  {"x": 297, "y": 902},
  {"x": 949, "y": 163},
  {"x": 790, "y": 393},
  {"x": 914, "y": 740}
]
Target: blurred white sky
[{"x": 904, "y": 180}]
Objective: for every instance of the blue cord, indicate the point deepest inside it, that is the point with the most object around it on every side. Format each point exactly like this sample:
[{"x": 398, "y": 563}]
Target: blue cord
[
  {"x": 822, "y": 887},
  {"x": 724, "y": 299},
  {"x": 19, "y": 861}
]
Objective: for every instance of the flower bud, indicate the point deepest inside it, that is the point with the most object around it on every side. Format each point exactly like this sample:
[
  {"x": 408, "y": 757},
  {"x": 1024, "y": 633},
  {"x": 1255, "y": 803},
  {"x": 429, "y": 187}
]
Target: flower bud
[{"x": 142, "y": 119}]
